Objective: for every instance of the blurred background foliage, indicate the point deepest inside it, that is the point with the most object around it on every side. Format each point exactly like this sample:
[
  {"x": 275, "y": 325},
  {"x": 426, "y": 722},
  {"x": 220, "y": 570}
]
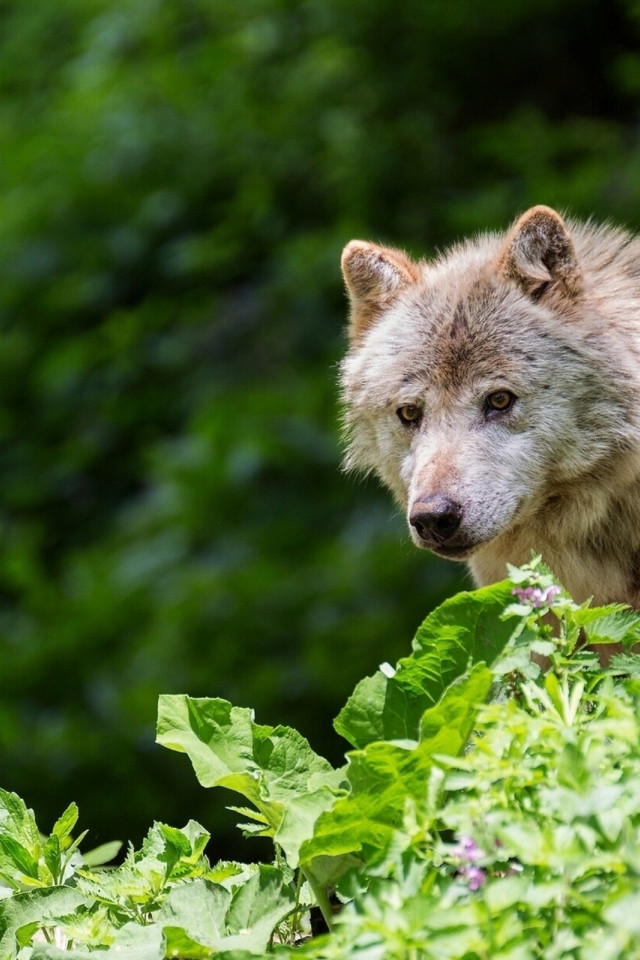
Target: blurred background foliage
[{"x": 177, "y": 179}]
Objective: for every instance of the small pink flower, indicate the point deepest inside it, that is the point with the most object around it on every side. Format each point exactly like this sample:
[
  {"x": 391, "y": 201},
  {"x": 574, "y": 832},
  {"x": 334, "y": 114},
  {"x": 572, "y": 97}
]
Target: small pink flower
[
  {"x": 475, "y": 877},
  {"x": 536, "y": 596},
  {"x": 467, "y": 849}
]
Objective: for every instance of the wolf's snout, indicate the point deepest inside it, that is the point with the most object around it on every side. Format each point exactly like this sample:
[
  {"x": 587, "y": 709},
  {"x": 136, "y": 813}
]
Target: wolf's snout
[{"x": 436, "y": 520}]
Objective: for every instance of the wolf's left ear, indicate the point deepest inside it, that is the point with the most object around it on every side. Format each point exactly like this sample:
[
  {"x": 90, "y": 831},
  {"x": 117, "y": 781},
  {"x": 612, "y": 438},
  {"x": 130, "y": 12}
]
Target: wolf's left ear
[
  {"x": 539, "y": 251},
  {"x": 374, "y": 277}
]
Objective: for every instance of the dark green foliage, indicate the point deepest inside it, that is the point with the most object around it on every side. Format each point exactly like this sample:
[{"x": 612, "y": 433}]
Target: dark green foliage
[{"x": 177, "y": 180}]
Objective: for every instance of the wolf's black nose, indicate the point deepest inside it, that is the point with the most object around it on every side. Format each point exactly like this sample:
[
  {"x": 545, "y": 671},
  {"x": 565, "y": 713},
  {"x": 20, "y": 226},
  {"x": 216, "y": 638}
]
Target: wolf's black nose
[{"x": 436, "y": 519}]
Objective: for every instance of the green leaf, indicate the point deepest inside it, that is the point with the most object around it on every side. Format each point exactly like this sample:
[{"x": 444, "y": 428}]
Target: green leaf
[
  {"x": 32, "y": 910},
  {"x": 210, "y": 916},
  {"x": 627, "y": 664},
  {"x": 199, "y": 909},
  {"x": 19, "y": 856},
  {"x": 139, "y": 884},
  {"x": 176, "y": 846},
  {"x": 257, "y": 907},
  {"x": 52, "y": 856},
  {"x": 447, "y": 726},
  {"x": 19, "y": 822},
  {"x": 135, "y": 942},
  {"x": 178, "y": 943},
  {"x": 615, "y": 623},
  {"x": 105, "y": 853},
  {"x": 272, "y": 767},
  {"x": 466, "y": 629},
  {"x": 64, "y": 825},
  {"x": 384, "y": 776}
]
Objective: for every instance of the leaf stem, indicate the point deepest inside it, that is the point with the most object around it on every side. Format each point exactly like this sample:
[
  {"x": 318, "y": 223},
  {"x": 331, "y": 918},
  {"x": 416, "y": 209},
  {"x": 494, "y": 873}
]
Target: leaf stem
[
  {"x": 322, "y": 899},
  {"x": 295, "y": 924}
]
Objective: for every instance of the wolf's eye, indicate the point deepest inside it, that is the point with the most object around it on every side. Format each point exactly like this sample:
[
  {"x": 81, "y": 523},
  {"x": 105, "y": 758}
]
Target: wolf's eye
[
  {"x": 500, "y": 400},
  {"x": 410, "y": 413}
]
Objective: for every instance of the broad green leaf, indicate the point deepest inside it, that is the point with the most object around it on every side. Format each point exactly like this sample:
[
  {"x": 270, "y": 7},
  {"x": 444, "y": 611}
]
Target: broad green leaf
[
  {"x": 210, "y": 916},
  {"x": 199, "y": 908},
  {"x": 230, "y": 874},
  {"x": 384, "y": 708},
  {"x": 176, "y": 839},
  {"x": 136, "y": 942},
  {"x": 384, "y": 776},
  {"x": 447, "y": 726},
  {"x": 612, "y": 624},
  {"x": 468, "y": 625},
  {"x": 258, "y": 906},
  {"x": 272, "y": 767},
  {"x": 466, "y": 629},
  {"x": 29, "y": 911}
]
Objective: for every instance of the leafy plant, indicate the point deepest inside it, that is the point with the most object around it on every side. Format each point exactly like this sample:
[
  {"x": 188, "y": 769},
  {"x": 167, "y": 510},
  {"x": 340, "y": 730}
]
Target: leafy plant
[
  {"x": 178, "y": 179},
  {"x": 488, "y": 809}
]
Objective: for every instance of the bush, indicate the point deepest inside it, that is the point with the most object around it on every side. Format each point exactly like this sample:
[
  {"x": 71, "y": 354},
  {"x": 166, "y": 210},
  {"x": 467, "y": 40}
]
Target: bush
[{"x": 486, "y": 809}]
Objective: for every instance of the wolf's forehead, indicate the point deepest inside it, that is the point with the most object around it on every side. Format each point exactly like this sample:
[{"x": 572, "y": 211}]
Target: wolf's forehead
[
  {"x": 414, "y": 368},
  {"x": 455, "y": 366},
  {"x": 460, "y": 306},
  {"x": 451, "y": 340},
  {"x": 450, "y": 337}
]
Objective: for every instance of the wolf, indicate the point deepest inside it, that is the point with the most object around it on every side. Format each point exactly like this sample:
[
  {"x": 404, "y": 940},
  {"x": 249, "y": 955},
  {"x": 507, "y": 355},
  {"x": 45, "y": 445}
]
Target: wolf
[{"x": 496, "y": 391}]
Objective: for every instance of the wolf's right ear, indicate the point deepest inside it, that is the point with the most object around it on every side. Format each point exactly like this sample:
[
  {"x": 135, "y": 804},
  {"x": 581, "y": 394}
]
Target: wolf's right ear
[
  {"x": 374, "y": 277},
  {"x": 539, "y": 251}
]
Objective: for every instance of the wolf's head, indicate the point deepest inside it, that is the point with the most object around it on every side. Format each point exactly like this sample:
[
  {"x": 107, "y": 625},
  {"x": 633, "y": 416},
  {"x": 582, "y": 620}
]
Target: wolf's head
[{"x": 481, "y": 386}]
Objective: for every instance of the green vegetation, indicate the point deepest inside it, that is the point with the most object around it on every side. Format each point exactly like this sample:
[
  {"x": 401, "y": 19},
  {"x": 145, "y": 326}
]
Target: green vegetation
[
  {"x": 487, "y": 810},
  {"x": 176, "y": 183}
]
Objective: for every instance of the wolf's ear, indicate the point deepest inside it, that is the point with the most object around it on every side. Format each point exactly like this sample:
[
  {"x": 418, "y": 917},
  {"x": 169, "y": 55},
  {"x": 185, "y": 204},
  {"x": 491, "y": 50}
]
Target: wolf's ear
[
  {"x": 539, "y": 251},
  {"x": 374, "y": 277}
]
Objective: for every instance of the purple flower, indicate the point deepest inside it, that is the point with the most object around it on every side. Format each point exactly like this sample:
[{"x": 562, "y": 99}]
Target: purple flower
[
  {"x": 475, "y": 877},
  {"x": 467, "y": 849},
  {"x": 467, "y": 852},
  {"x": 536, "y": 596}
]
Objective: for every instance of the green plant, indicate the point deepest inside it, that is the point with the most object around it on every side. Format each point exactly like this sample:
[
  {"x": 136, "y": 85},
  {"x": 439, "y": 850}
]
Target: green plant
[{"x": 487, "y": 809}]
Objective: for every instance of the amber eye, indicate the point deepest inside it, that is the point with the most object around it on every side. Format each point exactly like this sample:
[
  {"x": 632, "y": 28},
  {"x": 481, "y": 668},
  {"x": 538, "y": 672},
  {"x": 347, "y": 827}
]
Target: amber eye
[
  {"x": 410, "y": 413},
  {"x": 500, "y": 400}
]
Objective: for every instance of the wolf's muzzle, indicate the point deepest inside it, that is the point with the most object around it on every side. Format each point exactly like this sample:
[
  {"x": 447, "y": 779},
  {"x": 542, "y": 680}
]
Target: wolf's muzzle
[{"x": 436, "y": 520}]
